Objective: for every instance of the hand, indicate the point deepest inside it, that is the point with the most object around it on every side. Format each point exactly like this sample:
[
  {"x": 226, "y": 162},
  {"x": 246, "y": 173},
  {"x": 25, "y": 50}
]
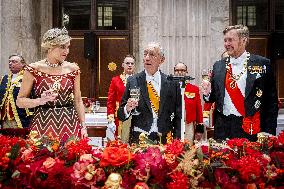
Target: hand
[
  {"x": 47, "y": 96},
  {"x": 205, "y": 87},
  {"x": 131, "y": 104},
  {"x": 84, "y": 133},
  {"x": 112, "y": 127}
]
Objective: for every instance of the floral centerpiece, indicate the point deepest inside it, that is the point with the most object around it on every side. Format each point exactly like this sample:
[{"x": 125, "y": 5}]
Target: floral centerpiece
[{"x": 47, "y": 163}]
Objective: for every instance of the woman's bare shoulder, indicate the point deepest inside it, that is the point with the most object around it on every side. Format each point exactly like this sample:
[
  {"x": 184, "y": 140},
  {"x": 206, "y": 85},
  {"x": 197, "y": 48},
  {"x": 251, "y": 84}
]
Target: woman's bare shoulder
[
  {"x": 37, "y": 65},
  {"x": 72, "y": 66}
]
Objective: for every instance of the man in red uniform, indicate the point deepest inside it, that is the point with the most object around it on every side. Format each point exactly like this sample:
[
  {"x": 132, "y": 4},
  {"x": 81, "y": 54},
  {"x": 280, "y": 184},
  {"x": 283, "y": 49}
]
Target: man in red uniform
[
  {"x": 115, "y": 92},
  {"x": 193, "y": 108}
]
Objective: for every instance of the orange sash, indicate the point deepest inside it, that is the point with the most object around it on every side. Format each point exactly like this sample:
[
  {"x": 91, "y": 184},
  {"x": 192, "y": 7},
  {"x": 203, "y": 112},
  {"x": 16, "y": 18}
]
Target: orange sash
[{"x": 154, "y": 97}]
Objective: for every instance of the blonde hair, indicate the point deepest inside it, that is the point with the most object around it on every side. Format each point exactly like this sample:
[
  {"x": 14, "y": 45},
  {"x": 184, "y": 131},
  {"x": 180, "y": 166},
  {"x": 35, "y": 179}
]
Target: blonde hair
[{"x": 55, "y": 37}]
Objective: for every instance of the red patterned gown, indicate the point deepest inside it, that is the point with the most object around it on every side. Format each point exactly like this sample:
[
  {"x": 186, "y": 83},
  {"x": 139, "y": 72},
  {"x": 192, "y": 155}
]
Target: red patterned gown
[{"x": 58, "y": 118}]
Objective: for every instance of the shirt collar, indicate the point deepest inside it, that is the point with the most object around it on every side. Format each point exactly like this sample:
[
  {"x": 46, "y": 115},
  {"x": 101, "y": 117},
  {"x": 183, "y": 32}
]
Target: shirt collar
[
  {"x": 239, "y": 60},
  {"x": 127, "y": 75},
  {"x": 156, "y": 77}
]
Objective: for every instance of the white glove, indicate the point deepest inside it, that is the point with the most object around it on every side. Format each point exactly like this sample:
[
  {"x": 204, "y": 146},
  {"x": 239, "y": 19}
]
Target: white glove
[{"x": 112, "y": 127}]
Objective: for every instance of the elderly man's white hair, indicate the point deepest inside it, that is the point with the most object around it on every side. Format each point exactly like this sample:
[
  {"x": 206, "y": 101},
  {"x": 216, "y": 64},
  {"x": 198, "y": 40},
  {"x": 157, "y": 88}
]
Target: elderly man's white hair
[{"x": 157, "y": 45}]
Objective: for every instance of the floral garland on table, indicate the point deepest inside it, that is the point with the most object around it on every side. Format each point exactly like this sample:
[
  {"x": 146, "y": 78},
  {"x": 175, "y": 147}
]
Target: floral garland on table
[{"x": 45, "y": 163}]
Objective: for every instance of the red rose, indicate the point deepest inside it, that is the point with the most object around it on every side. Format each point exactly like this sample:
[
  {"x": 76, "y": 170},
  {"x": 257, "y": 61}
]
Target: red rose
[{"x": 114, "y": 156}]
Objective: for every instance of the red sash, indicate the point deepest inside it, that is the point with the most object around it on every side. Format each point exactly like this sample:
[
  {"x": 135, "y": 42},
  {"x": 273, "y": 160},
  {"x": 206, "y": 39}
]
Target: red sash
[
  {"x": 251, "y": 124},
  {"x": 235, "y": 93}
]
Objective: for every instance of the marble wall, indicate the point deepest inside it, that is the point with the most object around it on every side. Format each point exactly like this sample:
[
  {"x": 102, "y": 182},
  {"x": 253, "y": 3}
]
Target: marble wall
[
  {"x": 22, "y": 24},
  {"x": 190, "y": 31}
]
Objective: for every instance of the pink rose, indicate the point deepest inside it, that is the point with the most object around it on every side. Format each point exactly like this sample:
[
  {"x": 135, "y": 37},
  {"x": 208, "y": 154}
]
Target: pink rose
[
  {"x": 49, "y": 162},
  {"x": 27, "y": 155},
  {"x": 86, "y": 158}
]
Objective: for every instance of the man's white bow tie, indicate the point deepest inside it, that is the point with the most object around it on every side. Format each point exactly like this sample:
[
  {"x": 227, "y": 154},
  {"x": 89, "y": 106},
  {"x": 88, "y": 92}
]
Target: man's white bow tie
[{"x": 153, "y": 79}]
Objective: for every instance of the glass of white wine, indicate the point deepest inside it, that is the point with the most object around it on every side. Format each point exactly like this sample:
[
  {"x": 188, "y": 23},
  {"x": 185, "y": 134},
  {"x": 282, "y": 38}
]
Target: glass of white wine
[
  {"x": 205, "y": 75},
  {"x": 135, "y": 94},
  {"x": 96, "y": 106}
]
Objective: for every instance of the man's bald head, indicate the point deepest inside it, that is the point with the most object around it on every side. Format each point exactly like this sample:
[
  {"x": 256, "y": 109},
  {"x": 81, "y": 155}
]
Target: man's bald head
[{"x": 180, "y": 69}]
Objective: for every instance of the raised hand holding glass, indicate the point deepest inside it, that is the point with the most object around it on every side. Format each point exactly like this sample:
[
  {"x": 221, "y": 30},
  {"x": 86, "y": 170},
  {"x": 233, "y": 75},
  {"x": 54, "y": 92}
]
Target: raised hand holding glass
[{"x": 135, "y": 94}]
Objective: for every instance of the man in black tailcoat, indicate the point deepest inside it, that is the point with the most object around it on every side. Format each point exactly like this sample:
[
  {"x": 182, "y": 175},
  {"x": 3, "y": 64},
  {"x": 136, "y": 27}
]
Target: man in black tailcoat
[
  {"x": 159, "y": 104},
  {"x": 243, "y": 88}
]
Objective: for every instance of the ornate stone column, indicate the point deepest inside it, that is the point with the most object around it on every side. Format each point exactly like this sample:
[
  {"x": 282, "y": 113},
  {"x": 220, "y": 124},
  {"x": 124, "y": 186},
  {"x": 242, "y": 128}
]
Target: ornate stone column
[{"x": 22, "y": 24}]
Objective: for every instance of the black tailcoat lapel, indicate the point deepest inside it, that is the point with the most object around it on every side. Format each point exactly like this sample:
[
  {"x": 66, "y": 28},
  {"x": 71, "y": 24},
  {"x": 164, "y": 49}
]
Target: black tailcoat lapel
[
  {"x": 220, "y": 78},
  {"x": 250, "y": 77},
  {"x": 163, "y": 92}
]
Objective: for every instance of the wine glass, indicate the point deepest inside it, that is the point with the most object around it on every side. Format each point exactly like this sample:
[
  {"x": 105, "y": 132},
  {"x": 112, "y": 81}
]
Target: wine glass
[
  {"x": 98, "y": 105},
  {"x": 135, "y": 94},
  {"x": 205, "y": 75},
  {"x": 206, "y": 81},
  {"x": 54, "y": 89}
]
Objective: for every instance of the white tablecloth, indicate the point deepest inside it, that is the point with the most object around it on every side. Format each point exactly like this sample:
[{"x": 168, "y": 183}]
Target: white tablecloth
[{"x": 96, "y": 119}]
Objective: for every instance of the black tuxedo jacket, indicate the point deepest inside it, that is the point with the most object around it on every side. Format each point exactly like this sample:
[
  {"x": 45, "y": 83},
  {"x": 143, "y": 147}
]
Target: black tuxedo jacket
[
  {"x": 169, "y": 115},
  {"x": 255, "y": 82}
]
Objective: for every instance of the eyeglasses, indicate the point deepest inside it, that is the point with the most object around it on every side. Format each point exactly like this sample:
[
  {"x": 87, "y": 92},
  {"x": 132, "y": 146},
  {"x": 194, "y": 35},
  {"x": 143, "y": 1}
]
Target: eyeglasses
[
  {"x": 180, "y": 70},
  {"x": 129, "y": 63}
]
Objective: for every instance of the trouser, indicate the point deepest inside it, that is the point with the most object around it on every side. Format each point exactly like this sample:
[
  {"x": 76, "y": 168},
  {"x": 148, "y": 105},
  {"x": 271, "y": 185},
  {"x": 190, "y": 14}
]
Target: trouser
[
  {"x": 189, "y": 132},
  {"x": 9, "y": 124},
  {"x": 230, "y": 127},
  {"x": 125, "y": 130}
]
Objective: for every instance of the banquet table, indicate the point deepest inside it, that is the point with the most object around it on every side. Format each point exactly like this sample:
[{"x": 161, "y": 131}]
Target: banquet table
[{"x": 96, "y": 124}]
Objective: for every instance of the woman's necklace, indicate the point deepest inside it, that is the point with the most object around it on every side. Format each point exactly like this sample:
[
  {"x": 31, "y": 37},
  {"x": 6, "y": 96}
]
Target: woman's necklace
[{"x": 53, "y": 65}]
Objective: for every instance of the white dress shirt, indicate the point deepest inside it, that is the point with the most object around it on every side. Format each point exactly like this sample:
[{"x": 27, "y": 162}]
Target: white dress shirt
[
  {"x": 237, "y": 67},
  {"x": 14, "y": 76}
]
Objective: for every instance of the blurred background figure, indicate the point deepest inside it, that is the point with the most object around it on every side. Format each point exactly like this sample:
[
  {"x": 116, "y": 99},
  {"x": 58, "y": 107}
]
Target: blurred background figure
[
  {"x": 115, "y": 92},
  {"x": 11, "y": 115},
  {"x": 193, "y": 107}
]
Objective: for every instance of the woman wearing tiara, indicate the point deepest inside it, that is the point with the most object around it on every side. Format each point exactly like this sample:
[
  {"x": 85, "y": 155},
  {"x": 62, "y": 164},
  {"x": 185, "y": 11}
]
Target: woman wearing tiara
[{"x": 59, "y": 109}]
